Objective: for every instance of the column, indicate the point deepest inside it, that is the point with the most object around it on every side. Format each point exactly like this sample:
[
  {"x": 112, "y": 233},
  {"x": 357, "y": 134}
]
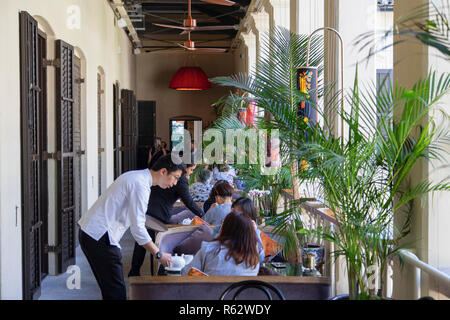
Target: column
[
  {"x": 281, "y": 13},
  {"x": 332, "y": 61},
  {"x": 310, "y": 16},
  {"x": 429, "y": 235},
  {"x": 261, "y": 25},
  {"x": 249, "y": 39}
]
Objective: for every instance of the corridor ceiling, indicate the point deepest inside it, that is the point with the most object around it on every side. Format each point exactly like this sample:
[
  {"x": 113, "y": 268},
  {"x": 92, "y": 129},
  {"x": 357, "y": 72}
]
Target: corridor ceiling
[{"x": 143, "y": 13}]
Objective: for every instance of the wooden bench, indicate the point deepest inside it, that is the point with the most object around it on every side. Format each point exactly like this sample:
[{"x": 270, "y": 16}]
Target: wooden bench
[{"x": 211, "y": 287}]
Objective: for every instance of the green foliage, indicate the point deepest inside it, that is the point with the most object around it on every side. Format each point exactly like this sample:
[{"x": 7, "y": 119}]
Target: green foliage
[{"x": 365, "y": 179}]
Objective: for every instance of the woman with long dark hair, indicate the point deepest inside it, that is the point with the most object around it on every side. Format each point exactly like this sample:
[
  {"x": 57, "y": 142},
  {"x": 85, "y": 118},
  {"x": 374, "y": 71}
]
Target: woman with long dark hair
[
  {"x": 233, "y": 253},
  {"x": 245, "y": 206}
]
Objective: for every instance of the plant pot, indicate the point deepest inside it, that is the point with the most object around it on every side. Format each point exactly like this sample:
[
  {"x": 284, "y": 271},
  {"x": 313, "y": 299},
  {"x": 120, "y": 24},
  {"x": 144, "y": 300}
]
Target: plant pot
[
  {"x": 347, "y": 297},
  {"x": 317, "y": 250},
  {"x": 340, "y": 297},
  {"x": 240, "y": 184}
]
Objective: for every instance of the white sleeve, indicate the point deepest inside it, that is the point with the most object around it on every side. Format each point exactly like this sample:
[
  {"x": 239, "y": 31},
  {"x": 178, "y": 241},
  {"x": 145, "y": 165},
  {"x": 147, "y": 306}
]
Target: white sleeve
[{"x": 138, "y": 197}]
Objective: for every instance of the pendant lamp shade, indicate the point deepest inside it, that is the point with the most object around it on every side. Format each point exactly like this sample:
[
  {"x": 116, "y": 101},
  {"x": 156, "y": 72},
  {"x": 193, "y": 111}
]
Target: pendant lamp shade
[{"x": 190, "y": 78}]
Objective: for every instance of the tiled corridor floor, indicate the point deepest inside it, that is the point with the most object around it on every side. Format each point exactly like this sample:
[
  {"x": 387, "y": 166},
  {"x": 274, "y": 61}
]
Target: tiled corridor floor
[{"x": 55, "y": 287}]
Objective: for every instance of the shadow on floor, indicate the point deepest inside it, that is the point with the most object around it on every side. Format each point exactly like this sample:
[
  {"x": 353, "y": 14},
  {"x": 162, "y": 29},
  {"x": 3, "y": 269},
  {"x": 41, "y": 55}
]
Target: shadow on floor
[{"x": 55, "y": 287}]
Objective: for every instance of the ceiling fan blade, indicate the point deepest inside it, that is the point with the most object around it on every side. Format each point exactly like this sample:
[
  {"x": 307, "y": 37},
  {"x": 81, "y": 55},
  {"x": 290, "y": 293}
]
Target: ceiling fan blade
[
  {"x": 212, "y": 50},
  {"x": 170, "y": 26},
  {"x": 220, "y": 2},
  {"x": 207, "y": 28},
  {"x": 212, "y": 28},
  {"x": 183, "y": 46}
]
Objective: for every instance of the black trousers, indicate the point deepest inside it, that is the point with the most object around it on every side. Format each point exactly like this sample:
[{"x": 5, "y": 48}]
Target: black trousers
[
  {"x": 106, "y": 264},
  {"x": 139, "y": 256}
]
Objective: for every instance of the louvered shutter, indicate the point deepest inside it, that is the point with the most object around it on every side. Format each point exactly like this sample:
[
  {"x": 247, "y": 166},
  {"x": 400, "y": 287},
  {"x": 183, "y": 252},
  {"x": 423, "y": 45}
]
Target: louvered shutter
[
  {"x": 99, "y": 132},
  {"x": 77, "y": 142},
  {"x": 31, "y": 162},
  {"x": 66, "y": 206},
  {"x": 129, "y": 130},
  {"x": 117, "y": 140}
]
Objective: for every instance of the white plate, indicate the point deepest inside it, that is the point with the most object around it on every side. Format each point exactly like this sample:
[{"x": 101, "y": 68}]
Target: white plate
[{"x": 173, "y": 269}]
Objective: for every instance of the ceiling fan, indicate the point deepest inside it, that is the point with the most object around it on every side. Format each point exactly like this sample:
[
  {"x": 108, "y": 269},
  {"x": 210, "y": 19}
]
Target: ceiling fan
[
  {"x": 190, "y": 24},
  {"x": 220, "y": 2},
  {"x": 190, "y": 46}
]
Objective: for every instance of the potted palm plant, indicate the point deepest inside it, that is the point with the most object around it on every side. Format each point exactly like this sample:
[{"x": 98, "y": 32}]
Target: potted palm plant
[
  {"x": 272, "y": 87},
  {"x": 364, "y": 178}
]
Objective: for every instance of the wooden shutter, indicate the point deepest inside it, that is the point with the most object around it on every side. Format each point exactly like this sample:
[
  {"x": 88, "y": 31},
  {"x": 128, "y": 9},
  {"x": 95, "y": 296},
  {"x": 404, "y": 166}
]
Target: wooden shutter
[
  {"x": 42, "y": 48},
  {"x": 65, "y": 145},
  {"x": 99, "y": 131},
  {"x": 31, "y": 156},
  {"x": 77, "y": 142},
  {"x": 117, "y": 140},
  {"x": 129, "y": 130}
]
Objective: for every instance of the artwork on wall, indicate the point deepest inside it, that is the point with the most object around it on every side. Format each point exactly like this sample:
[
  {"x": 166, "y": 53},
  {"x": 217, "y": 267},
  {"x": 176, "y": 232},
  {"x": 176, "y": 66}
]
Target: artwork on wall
[{"x": 307, "y": 83}]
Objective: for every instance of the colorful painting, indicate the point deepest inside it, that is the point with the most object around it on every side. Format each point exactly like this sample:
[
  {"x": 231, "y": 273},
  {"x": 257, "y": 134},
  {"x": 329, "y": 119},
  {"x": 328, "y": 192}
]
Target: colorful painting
[{"x": 307, "y": 83}]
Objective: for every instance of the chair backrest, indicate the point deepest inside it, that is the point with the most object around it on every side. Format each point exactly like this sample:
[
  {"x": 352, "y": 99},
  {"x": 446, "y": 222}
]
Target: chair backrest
[
  {"x": 168, "y": 240},
  {"x": 256, "y": 284}
]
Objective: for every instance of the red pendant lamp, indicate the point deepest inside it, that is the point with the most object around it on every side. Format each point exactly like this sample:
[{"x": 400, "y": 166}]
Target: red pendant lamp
[{"x": 190, "y": 79}]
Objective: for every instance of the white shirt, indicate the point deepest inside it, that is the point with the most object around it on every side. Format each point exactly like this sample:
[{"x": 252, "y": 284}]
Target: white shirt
[{"x": 123, "y": 205}]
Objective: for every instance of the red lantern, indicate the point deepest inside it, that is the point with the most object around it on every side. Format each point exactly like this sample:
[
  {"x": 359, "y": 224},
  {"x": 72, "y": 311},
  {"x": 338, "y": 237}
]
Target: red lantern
[{"x": 190, "y": 78}]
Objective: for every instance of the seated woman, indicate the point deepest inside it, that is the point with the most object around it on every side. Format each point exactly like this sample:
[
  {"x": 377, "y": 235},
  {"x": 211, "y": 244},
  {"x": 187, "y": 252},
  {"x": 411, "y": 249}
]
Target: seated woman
[
  {"x": 200, "y": 190},
  {"x": 212, "y": 198},
  {"x": 232, "y": 253},
  {"x": 223, "y": 193},
  {"x": 224, "y": 172},
  {"x": 245, "y": 206}
]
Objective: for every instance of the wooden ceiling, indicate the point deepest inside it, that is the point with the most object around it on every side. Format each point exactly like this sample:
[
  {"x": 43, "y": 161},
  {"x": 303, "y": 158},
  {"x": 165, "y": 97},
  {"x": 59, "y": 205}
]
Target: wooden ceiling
[{"x": 154, "y": 38}]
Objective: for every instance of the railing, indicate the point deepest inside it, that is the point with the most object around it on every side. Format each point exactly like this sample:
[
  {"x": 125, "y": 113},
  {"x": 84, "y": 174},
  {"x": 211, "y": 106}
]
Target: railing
[
  {"x": 316, "y": 215},
  {"x": 419, "y": 265}
]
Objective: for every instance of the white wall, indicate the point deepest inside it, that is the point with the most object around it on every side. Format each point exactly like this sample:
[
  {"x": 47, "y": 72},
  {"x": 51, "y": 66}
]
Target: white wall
[
  {"x": 99, "y": 41},
  {"x": 156, "y": 69}
]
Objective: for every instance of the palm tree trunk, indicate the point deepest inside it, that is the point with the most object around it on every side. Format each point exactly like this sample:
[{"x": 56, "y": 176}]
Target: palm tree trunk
[{"x": 352, "y": 282}]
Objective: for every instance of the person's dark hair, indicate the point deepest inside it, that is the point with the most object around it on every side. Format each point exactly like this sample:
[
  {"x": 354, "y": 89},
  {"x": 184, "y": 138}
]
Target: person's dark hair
[
  {"x": 239, "y": 237},
  {"x": 223, "y": 167},
  {"x": 222, "y": 189},
  {"x": 245, "y": 206},
  {"x": 212, "y": 196},
  {"x": 204, "y": 175},
  {"x": 189, "y": 165},
  {"x": 165, "y": 162}
]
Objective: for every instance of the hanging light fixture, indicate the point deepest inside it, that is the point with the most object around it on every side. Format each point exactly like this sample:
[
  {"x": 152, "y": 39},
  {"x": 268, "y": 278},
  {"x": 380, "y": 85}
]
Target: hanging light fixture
[{"x": 190, "y": 79}]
